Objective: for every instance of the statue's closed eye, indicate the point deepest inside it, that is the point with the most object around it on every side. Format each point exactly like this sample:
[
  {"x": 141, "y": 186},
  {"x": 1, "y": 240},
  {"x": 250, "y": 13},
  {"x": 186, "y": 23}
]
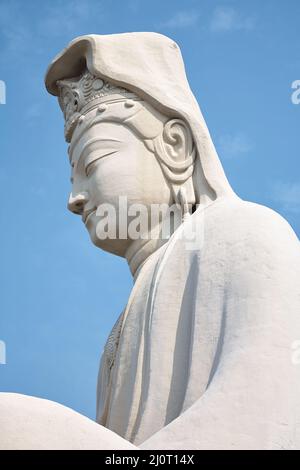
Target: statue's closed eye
[{"x": 94, "y": 158}]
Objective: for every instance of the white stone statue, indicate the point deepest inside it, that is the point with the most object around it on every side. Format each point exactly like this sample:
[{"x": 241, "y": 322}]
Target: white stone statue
[{"x": 204, "y": 354}]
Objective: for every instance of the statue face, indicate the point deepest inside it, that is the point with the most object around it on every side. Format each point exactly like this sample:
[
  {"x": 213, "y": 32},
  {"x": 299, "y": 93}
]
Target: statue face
[{"x": 108, "y": 161}]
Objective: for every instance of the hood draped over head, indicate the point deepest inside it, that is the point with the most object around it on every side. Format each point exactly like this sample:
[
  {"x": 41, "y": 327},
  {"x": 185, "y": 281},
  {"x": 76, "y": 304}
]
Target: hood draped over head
[{"x": 150, "y": 65}]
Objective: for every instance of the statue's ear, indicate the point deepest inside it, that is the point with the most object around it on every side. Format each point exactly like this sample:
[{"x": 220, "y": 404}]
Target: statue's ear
[
  {"x": 176, "y": 152},
  {"x": 178, "y": 141}
]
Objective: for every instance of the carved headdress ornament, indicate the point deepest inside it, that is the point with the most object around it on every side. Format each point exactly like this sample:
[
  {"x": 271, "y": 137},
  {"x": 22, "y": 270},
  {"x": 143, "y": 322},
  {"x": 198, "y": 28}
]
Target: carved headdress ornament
[{"x": 80, "y": 95}]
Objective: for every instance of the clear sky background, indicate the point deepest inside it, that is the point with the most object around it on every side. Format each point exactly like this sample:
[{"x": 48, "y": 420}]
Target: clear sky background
[{"x": 60, "y": 295}]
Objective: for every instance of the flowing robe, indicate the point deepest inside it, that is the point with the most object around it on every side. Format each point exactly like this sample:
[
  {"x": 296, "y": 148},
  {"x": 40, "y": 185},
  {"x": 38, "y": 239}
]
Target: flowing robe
[{"x": 206, "y": 349}]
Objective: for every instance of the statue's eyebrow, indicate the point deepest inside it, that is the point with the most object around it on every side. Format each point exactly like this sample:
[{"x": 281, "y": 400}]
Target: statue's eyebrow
[{"x": 87, "y": 144}]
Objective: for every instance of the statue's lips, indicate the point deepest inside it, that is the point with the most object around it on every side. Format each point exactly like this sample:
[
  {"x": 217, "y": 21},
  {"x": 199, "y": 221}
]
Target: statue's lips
[{"x": 86, "y": 214}]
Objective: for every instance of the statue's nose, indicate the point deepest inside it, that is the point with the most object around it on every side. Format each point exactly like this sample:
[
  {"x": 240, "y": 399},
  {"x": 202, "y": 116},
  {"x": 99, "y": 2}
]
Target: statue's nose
[{"x": 76, "y": 203}]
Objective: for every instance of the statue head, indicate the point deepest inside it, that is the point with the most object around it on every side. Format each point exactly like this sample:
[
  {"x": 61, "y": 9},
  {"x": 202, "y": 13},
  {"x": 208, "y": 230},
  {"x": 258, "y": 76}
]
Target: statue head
[{"x": 134, "y": 129}]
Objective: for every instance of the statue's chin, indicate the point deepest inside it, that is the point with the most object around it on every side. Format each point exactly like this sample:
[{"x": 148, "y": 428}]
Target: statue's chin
[{"x": 112, "y": 245}]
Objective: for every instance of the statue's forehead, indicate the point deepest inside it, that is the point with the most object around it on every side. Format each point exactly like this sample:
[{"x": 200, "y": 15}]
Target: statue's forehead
[
  {"x": 113, "y": 120},
  {"x": 100, "y": 137},
  {"x": 96, "y": 125}
]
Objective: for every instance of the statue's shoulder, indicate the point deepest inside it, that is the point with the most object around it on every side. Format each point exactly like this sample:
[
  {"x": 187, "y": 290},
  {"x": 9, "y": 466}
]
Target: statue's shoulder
[
  {"x": 238, "y": 220},
  {"x": 237, "y": 231},
  {"x": 253, "y": 248}
]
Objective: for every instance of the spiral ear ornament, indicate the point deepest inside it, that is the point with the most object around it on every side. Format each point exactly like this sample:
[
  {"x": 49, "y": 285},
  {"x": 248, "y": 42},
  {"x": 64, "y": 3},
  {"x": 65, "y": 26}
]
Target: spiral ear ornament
[
  {"x": 177, "y": 165},
  {"x": 176, "y": 172}
]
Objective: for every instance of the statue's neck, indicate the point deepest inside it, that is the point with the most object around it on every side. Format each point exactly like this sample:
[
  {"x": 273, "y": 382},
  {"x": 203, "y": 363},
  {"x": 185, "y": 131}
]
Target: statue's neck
[{"x": 141, "y": 249}]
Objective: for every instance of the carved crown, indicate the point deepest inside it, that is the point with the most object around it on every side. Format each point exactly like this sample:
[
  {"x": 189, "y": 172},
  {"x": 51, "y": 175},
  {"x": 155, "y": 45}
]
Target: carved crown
[{"x": 81, "y": 94}]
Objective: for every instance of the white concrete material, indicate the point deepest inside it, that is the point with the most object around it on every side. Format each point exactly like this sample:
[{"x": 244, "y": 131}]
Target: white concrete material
[
  {"x": 235, "y": 378},
  {"x": 30, "y": 423},
  {"x": 203, "y": 355}
]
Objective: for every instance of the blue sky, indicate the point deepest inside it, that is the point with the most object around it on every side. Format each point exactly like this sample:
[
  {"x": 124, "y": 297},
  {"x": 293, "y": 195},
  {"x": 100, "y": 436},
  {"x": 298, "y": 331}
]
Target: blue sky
[{"x": 60, "y": 295}]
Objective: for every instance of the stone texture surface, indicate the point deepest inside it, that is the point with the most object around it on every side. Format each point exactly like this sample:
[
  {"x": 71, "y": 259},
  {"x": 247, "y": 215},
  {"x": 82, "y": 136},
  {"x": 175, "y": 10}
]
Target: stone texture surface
[
  {"x": 33, "y": 423},
  {"x": 203, "y": 355}
]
